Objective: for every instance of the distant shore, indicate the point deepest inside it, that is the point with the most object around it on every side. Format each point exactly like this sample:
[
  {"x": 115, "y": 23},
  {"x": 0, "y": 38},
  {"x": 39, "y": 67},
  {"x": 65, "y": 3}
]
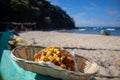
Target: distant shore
[{"x": 104, "y": 50}]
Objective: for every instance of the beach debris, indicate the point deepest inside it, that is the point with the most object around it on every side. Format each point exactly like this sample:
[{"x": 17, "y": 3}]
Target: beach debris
[
  {"x": 16, "y": 41},
  {"x": 20, "y": 40},
  {"x": 117, "y": 62}
]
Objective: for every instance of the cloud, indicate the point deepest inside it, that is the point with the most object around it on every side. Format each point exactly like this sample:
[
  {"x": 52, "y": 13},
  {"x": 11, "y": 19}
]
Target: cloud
[
  {"x": 79, "y": 15},
  {"x": 66, "y": 8},
  {"x": 91, "y": 6},
  {"x": 97, "y": 22},
  {"x": 88, "y": 22},
  {"x": 80, "y": 20},
  {"x": 54, "y": 2},
  {"x": 112, "y": 12}
]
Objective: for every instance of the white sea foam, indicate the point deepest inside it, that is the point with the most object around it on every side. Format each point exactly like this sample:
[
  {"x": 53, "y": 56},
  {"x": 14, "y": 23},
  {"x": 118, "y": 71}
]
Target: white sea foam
[
  {"x": 82, "y": 29},
  {"x": 110, "y": 29}
]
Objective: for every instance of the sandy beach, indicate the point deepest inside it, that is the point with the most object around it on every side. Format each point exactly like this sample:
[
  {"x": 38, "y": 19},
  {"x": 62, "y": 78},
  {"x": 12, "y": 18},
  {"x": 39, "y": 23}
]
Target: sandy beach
[{"x": 104, "y": 50}]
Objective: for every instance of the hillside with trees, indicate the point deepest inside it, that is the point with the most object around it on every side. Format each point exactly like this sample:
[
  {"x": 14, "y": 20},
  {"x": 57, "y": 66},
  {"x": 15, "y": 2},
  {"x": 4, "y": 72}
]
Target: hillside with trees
[{"x": 42, "y": 12}]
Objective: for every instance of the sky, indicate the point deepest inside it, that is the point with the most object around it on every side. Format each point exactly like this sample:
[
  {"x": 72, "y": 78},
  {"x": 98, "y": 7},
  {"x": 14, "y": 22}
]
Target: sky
[{"x": 91, "y": 12}]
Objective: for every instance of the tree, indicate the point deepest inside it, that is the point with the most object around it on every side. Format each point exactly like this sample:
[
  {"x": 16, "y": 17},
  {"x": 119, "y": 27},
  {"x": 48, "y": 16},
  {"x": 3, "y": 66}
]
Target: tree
[{"x": 39, "y": 11}]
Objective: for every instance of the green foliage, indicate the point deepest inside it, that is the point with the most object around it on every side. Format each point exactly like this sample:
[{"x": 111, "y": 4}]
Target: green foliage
[{"x": 19, "y": 4}]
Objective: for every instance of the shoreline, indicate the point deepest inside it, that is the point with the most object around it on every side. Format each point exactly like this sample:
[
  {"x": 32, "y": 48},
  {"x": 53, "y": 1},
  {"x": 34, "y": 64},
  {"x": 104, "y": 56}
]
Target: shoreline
[
  {"x": 104, "y": 50},
  {"x": 113, "y": 31}
]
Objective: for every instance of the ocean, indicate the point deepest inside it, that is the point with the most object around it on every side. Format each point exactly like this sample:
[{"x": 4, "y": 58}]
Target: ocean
[{"x": 114, "y": 31}]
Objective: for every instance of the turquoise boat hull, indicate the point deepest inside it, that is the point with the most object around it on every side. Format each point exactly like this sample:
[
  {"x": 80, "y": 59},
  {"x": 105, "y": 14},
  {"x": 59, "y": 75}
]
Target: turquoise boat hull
[{"x": 9, "y": 69}]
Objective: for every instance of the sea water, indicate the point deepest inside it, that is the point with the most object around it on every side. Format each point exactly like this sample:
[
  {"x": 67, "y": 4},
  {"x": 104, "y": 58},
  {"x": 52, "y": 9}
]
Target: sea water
[{"x": 114, "y": 31}]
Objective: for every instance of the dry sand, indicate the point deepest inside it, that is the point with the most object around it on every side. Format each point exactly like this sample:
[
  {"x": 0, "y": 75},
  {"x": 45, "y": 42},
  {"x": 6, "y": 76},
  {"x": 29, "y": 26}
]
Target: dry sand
[{"x": 104, "y": 50}]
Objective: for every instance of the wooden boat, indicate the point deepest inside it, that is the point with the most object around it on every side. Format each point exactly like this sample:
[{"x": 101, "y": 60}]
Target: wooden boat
[{"x": 10, "y": 70}]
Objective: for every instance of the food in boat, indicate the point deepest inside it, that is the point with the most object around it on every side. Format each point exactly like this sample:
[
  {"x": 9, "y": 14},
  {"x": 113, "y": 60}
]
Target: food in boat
[{"x": 56, "y": 55}]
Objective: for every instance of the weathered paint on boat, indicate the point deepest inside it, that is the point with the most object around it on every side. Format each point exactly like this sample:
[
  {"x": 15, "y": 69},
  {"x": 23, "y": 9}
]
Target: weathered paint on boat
[{"x": 9, "y": 69}]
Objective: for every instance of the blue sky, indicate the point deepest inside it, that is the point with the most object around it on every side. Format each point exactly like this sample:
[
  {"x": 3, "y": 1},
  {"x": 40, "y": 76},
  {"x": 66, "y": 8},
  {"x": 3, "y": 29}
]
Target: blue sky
[{"x": 91, "y": 12}]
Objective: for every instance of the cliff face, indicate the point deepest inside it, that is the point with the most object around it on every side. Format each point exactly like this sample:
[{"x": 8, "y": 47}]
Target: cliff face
[{"x": 46, "y": 16}]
